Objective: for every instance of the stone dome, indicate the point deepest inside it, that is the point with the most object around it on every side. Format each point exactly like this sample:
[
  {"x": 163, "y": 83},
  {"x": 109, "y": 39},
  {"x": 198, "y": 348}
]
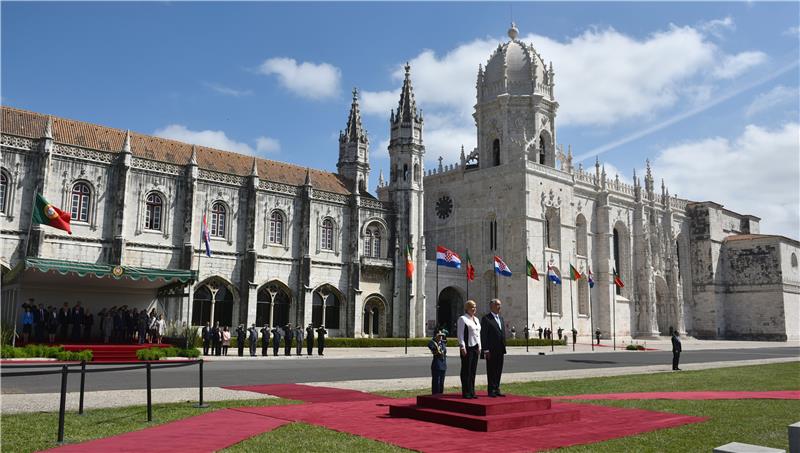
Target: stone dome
[{"x": 514, "y": 68}]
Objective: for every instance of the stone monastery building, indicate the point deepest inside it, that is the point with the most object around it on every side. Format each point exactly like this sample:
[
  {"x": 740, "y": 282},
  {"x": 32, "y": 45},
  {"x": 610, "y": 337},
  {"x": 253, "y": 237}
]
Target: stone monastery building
[{"x": 298, "y": 245}]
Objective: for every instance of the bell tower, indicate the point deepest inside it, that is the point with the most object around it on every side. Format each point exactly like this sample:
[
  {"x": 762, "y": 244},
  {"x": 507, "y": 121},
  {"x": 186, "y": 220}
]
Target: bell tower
[
  {"x": 406, "y": 153},
  {"x": 353, "y": 164}
]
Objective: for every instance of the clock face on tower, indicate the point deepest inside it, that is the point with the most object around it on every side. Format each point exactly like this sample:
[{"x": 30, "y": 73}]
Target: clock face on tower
[{"x": 444, "y": 207}]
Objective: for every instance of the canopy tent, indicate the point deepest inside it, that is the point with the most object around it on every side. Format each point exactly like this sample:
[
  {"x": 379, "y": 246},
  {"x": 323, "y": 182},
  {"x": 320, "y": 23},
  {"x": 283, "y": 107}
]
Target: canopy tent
[{"x": 99, "y": 270}]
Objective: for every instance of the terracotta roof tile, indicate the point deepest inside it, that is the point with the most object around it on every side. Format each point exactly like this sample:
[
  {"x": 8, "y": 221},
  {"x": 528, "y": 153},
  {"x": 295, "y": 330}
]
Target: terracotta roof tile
[{"x": 24, "y": 123}]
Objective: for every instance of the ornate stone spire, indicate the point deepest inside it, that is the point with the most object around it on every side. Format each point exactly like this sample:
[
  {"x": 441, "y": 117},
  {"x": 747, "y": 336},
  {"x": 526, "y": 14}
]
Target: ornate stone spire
[
  {"x": 308, "y": 177},
  {"x": 381, "y": 179},
  {"x": 126, "y": 146},
  {"x": 354, "y": 132},
  {"x": 407, "y": 107},
  {"x": 193, "y": 159},
  {"x": 254, "y": 170},
  {"x": 48, "y": 128},
  {"x": 648, "y": 181}
]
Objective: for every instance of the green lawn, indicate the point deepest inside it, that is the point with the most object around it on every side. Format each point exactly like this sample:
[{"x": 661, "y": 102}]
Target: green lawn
[{"x": 751, "y": 421}]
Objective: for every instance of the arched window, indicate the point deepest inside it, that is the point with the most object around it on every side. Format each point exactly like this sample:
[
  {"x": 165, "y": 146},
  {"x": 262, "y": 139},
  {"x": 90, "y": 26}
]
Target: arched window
[
  {"x": 492, "y": 230},
  {"x": 219, "y": 217},
  {"x": 152, "y": 213},
  {"x": 3, "y": 191},
  {"x": 372, "y": 241},
  {"x": 542, "y": 150},
  {"x": 580, "y": 235},
  {"x": 794, "y": 260},
  {"x": 326, "y": 235},
  {"x": 276, "y": 227},
  {"x": 81, "y": 196},
  {"x": 496, "y": 152},
  {"x": 332, "y": 303}
]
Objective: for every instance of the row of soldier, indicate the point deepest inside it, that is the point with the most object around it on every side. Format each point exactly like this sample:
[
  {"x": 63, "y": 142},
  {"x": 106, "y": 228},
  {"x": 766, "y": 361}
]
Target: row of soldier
[{"x": 216, "y": 339}]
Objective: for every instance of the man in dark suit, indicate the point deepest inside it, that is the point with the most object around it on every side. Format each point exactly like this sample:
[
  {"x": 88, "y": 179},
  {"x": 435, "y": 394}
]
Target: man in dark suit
[
  {"x": 493, "y": 344},
  {"x": 288, "y": 336},
  {"x": 241, "y": 339},
  {"x": 205, "y": 335},
  {"x": 321, "y": 332},
  {"x": 676, "y": 350},
  {"x": 253, "y": 339}
]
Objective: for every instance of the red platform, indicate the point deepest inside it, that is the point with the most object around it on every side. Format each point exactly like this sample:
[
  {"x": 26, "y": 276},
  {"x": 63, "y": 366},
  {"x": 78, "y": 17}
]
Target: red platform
[
  {"x": 113, "y": 352},
  {"x": 485, "y": 414}
]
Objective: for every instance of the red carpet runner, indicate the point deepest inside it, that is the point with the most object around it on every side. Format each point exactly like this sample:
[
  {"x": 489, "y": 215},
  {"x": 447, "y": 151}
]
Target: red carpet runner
[
  {"x": 366, "y": 415},
  {"x": 113, "y": 352}
]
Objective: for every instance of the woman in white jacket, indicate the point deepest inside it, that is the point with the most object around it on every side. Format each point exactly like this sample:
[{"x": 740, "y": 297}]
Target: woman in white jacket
[{"x": 468, "y": 331}]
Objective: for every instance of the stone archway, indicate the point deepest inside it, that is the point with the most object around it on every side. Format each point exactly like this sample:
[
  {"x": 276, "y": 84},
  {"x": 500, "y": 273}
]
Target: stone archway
[
  {"x": 374, "y": 322},
  {"x": 449, "y": 307},
  {"x": 663, "y": 306},
  {"x": 213, "y": 302},
  {"x": 273, "y": 304}
]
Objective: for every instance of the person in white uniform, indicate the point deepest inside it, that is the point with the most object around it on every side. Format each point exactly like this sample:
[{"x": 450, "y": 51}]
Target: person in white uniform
[{"x": 468, "y": 330}]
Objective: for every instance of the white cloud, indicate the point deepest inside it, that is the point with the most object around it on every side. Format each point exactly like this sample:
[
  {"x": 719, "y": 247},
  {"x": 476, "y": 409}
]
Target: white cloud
[
  {"x": 227, "y": 91},
  {"x": 267, "y": 145},
  {"x": 792, "y": 31},
  {"x": 734, "y": 65},
  {"x": 602, "y": 77},
  {"x": 216, "y": 139},
  {"x": 778, "y": 96},
  {"x": 308, "y": 80},
  {"x": 723, "y": 170},
  {"x": 717, "y": 27}
]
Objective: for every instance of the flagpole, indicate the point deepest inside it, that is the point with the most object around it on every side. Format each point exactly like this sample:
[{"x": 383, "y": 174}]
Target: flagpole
[
  {"x": 495, "y": 283},
  {"x": 614, "y": 313},
  {"x": 571, "y": 309},
  {"x": 552, "y": 347},
  {"x": 591, "y": 317},
  {"x": 437, "y": 296}
]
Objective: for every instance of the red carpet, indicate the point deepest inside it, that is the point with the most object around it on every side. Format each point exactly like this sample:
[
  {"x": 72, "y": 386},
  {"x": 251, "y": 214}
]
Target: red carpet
[
  {"x": 308, "y": 393},
  {"x": 204, "y": 433},
  {"x": 707, "y": 395},
  {"x": 113, "y": 352},
  {"x": 370, "y": 419}
]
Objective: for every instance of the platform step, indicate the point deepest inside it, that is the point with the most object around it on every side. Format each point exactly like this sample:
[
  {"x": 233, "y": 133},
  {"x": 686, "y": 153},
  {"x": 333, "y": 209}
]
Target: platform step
[
  {"x": 483, "y": 406},
  {"x": 490, "y": 423}
]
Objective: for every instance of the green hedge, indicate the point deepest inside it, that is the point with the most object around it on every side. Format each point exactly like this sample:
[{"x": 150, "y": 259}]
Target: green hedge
[
  {"x": 160, "y": 353},
  {"x": 44, "y": 351},
  {"x": 634, "y": 347}
]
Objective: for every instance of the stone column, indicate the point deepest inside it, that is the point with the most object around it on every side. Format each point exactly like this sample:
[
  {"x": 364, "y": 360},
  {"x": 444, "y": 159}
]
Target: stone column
[{"x": 214, "y": 289}]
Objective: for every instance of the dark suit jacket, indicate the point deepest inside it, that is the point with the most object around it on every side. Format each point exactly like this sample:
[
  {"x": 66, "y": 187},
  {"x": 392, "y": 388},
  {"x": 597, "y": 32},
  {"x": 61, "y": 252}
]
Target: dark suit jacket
[
  {"x": 493, "y": 339},
  {"x": 676, "y": 344}
]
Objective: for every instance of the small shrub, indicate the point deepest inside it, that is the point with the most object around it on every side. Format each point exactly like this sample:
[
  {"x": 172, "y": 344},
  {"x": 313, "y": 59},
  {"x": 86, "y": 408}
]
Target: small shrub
[
  {"x": 190, "y": 353},
  {"x": 634, "y": 347},
  {"x": 150, "y": 354}
]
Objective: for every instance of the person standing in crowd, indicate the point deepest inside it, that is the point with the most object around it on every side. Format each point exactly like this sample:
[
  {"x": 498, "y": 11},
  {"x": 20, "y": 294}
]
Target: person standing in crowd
[
  {"x": 676, "y": 350},
  {"x": 298, "y": 337},
  {"x": 264, "y": 340},
  {"x": 574, "y": 336},
  {"x": 40, "y": 321},
  {"x": 253, "y": 339},
  {"x": 88, "y": 322},
  {"x": 161, "y": 328},
  {"x": 27, "y": 323},
  {"x": 241, "y": 338},
  {"x": 63, "y": 321},
  {"x": 205, "y": 334},
  {"x": 77, "y": 321},
  {"x": 226, "y": 340},
  {"x": 276, "y": 340},
  {"x": 143, "y": 325},
  {"x": 468, "y": 331},
  {"x": 597, "y": 335},
  {"x": 438, "y": 346},
  {"x": 52, "y": 324},
  {"x": 309, "y": 339},
  {"x": 560, "y": 333},
  {"x": 287, "y": 339},
  {"x": 540, "y": 330},
  {"x": 321, "y": 332},
  {"x": 216, "y": 338},
  {"x": 493, "y": 346}
]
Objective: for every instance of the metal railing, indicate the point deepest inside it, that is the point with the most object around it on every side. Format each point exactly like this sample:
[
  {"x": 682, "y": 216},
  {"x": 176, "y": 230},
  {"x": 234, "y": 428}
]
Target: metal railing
[{"x": 65, "y": 368}]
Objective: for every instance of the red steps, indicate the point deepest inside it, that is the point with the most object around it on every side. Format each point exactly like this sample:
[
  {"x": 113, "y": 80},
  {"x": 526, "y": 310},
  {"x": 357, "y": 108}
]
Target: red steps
[
  {"x": 485, "y": 414},
  {"x": 113, "y": 352}
]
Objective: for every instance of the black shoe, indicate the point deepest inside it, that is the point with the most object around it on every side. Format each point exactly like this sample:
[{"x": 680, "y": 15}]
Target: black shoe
[
  {"x": 493, "y": 395},
  {"x": 676, "y": 369},
  {"x": 500, "y": 394}
]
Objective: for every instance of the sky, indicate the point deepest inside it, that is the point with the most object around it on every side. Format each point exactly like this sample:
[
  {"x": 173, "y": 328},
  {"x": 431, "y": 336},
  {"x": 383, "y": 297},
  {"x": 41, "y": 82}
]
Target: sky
[{"x": 708, "y": 92}]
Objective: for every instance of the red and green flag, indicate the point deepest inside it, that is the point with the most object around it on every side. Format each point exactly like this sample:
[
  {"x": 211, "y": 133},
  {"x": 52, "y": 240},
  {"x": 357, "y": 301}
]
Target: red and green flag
[
  {"x": 530, "y": 270},
  {"x": 617, "y": 280},
  {"x": 470, "y": 268},
  {"x": 573, "y": 273},
  {"x": 409, "y": 262},
  {"x": 47, "y": 214}
]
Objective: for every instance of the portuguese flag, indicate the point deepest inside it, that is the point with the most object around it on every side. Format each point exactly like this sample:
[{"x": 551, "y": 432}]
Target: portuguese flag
[
  {"x": 530, "y": 270},
  {"x": 409, "y": 263},
  {"x": 573, "y": 273},
  {"x": 470, "y": 268},
  {"x": 618, "y": 280},
  {"x": 47, "y": 214}
]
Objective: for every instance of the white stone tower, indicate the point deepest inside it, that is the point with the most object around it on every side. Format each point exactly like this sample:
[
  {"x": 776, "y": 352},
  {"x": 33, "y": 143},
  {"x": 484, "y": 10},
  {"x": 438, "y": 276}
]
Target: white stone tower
[
  {"x": 516, "y": 109},
  {"x": 353, "y": 162},
  {"x": 406, "y": 152}
]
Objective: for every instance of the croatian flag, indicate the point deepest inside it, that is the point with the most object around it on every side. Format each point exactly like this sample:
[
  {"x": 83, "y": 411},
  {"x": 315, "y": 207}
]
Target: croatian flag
[
  {"x": 447, "y": 257},
  {"x": 591, "y": 279},
  {"x": 206, "y": 237},
  {"x": 551, "y": 275},
  {"x": 501, "y": 268}
]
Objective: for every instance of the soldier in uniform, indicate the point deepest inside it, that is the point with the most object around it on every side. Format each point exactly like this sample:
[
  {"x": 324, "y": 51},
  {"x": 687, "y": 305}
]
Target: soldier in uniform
[
  {"x": 438, "y": 346},
  {"x": 276, "y": 340},
  {"x": 321, "y": 332},
  {"x": 264, "y": 340},
  {"x": 309, "y": 339},
  {"x": 298, "y": 337},
  {"x": 253, "y": 339},
  {"x": 287, "y": 339},
  {"x": 241, "y": 338}
]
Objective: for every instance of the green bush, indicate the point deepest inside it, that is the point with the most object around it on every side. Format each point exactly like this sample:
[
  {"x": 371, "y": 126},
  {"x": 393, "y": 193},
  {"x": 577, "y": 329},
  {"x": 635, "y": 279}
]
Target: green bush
[
  {"x": 150, "y": 354},
  {"x": 190, "y": 353},
  {"x": 74, "y": 356},
  {"x": 634, "y": 347},
  {"x": 161, "y": 353}
]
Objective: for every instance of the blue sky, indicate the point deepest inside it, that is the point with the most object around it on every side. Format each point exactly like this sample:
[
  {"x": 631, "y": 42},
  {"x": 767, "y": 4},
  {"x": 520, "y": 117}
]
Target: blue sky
[{"x": 707, "y": 91}]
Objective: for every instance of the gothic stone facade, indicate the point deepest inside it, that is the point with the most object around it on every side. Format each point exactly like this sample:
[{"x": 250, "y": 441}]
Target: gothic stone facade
[{"x": 694, "y": 267}]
